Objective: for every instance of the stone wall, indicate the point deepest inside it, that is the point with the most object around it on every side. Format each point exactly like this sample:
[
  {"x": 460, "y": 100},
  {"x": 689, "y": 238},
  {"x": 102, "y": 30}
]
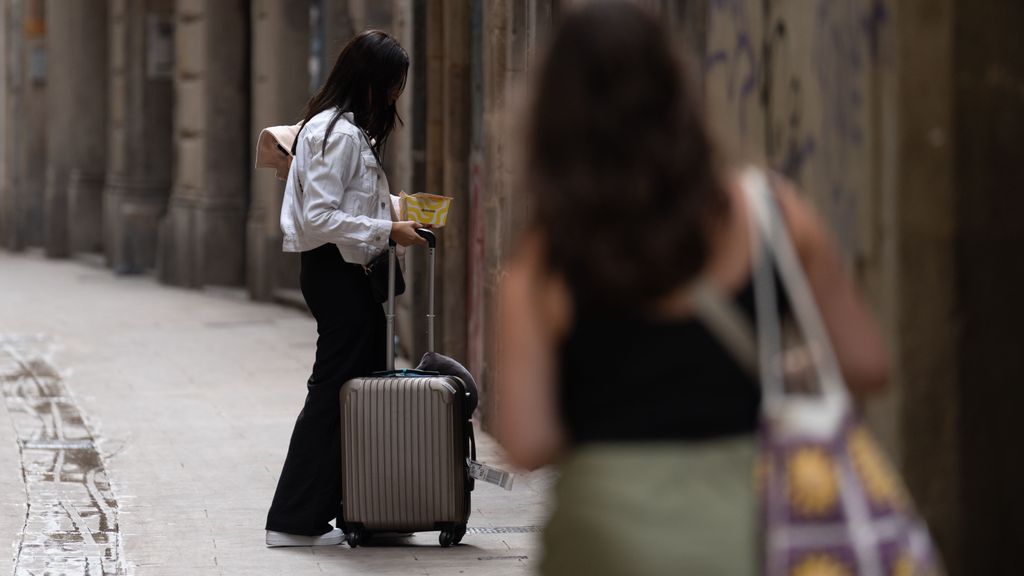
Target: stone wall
[
  {"x": 280, "y": 88},
  {"x": 807, "y": 88},
  {"x": 203, "y": 236},
  {"x": 5, "y": 118},
  {"x": 26, "y": 124},
  {"x": 801, "y": 88},
  {"x": 76, "y": 129},
  {"x": 988, "y": 87},
  {"x": 510, "y": 38},
  {"x": 139, "y": 154}
]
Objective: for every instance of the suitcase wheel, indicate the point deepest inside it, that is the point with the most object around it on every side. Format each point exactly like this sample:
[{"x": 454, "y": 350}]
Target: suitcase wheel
[
  {"x": 355, "y": 538},
  {"x": 452, "y": 536}
]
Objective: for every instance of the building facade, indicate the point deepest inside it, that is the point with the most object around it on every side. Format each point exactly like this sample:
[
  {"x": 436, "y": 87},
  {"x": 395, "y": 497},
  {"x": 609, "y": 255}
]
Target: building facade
[{"x": 128, "y": 129}]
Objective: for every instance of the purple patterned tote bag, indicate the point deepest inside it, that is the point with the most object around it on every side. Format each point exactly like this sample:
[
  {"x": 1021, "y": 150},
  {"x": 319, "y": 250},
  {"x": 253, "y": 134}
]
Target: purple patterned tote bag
[{"x": 832, "y": 505}]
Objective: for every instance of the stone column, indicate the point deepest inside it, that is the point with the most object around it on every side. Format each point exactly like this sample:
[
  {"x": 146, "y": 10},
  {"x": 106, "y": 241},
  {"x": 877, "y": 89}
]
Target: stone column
[
  {"x": 455, "y": 112},
  {"x": 399, "y": 164},
  {"x": 76, "y": 43},
  {"x": 926, "y": 292},
  {"x": 497, "y": 24},
  {"x": 342, "y": 20},
  {"x": 203, "y": 237},
  {"x": 511, "y": 34},
  {"x": 88, "y": 172},
  {"x": 433, "y": 86},
  {"x": 139, "y": 155},
  {"x": 280, "y": 88},
  {"x": 476, "y": 260},
  {"x": 443, "y": 21},
  {"x": 6, "y": 40},
  {"x": 399, "y": 153},
  {"x": 27, "y": 133},
  {"x": 988, "y": 97},
  {"x": 60, "y": 44}
]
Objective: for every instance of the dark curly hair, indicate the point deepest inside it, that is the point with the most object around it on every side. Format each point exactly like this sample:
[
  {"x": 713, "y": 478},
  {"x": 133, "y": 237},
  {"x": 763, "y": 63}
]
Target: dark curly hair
[{"x": 623, "y": 178}]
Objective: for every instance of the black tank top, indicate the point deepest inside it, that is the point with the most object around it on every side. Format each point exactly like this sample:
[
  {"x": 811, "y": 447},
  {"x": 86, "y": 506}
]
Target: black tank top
[{"x": 628, "y": 377}]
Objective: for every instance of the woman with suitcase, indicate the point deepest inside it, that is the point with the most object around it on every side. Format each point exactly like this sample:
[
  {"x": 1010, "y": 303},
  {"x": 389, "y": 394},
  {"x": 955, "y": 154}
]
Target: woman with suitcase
[
  {"x": 337, "y": 212},
  {"x": 604, "y": 369}
]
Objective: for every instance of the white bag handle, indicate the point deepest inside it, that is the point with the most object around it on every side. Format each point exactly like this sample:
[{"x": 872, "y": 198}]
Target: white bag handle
[
  {"x": 819, "y": 415},
  {"x": 771, "y": 248},
  {"x": 773, "y": 229}
]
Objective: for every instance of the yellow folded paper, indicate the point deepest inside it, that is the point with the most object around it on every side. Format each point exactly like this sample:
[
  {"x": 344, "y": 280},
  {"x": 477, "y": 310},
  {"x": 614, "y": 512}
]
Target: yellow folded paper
[{"x": 424, "y": 208}]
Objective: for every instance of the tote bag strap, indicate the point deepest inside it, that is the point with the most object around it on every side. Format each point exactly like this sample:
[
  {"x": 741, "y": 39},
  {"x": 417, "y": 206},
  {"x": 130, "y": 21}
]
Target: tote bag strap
[
  {"x": 777, "y": 242},
  {"x": 727, "y": 324},
  {"x": 758, "y": 349}
]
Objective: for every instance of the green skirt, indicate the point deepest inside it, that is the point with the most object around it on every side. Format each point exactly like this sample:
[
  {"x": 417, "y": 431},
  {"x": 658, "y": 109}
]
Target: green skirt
[{"x": 647, "y": 509}]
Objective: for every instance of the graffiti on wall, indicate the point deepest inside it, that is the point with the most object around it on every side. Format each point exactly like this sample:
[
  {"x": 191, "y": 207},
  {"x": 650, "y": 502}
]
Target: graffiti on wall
[
  {"x": 733, "y": 68},
  {"x": 845, "y": 48},
  {"x": 735, "y": 56},
  {"x": 792, "y": 79}
]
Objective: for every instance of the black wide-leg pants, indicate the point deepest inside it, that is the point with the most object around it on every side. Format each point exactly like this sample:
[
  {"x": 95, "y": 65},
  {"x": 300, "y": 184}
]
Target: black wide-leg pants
[{"x": 351, "y": 330}]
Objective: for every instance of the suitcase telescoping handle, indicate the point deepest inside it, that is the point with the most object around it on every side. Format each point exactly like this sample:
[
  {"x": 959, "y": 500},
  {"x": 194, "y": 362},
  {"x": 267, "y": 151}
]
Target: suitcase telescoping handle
[{"x": 431, "y": 239}]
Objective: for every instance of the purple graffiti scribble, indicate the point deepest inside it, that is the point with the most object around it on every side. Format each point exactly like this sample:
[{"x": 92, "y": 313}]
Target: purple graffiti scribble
[
  {"x": 872, "y": 24},
  {"x": 714, "y": 59},
  {"x": 745, "y": 50},
  {"x": 744, "y": 55},
  {"x": 797, "y": 155},
  {"x": 840, "y": 63},
  {"x": 735, "y": 8},
  {"x": 847, "y": 41},
  {"x": 844, "y": 216}
]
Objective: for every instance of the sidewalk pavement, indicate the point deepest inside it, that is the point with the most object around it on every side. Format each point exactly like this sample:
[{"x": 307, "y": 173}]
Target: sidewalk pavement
[{"x": 190, "y": 397}]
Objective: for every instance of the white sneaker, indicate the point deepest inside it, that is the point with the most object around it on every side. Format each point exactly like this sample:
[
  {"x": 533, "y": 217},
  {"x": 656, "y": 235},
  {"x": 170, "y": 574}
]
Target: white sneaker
[{"x": 332, "y": 538}]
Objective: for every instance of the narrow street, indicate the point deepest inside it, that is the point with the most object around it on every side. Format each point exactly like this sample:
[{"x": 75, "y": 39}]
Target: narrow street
[{"x": 144, "y": 427}]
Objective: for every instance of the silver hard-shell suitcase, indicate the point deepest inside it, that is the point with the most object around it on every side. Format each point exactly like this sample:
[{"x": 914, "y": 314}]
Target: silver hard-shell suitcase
[{"x": 405, "y": 441}]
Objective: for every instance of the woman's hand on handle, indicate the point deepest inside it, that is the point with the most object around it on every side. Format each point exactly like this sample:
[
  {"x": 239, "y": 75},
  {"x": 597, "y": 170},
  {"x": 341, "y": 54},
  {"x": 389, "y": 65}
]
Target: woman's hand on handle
[{"x": 404, "y": 233}]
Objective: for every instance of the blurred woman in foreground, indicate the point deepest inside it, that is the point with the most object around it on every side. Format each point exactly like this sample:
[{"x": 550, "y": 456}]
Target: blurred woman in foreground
[{"x": 604, "y": 369}]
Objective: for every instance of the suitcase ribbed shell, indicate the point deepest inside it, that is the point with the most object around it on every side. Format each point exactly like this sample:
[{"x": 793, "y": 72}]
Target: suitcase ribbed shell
[{"x": 403, "y": 453}]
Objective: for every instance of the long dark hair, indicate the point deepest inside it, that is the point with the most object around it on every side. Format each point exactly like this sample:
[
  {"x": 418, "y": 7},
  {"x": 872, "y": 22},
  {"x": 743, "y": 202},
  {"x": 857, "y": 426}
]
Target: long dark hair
[
  {"x": 622, "y": 172},
  {"x": 369, "y": 67}
]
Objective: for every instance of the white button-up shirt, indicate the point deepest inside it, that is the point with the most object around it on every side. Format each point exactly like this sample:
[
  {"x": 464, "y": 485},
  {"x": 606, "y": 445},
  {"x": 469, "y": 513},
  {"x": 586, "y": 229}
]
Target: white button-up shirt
[{"x": 339, "y": 195}]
